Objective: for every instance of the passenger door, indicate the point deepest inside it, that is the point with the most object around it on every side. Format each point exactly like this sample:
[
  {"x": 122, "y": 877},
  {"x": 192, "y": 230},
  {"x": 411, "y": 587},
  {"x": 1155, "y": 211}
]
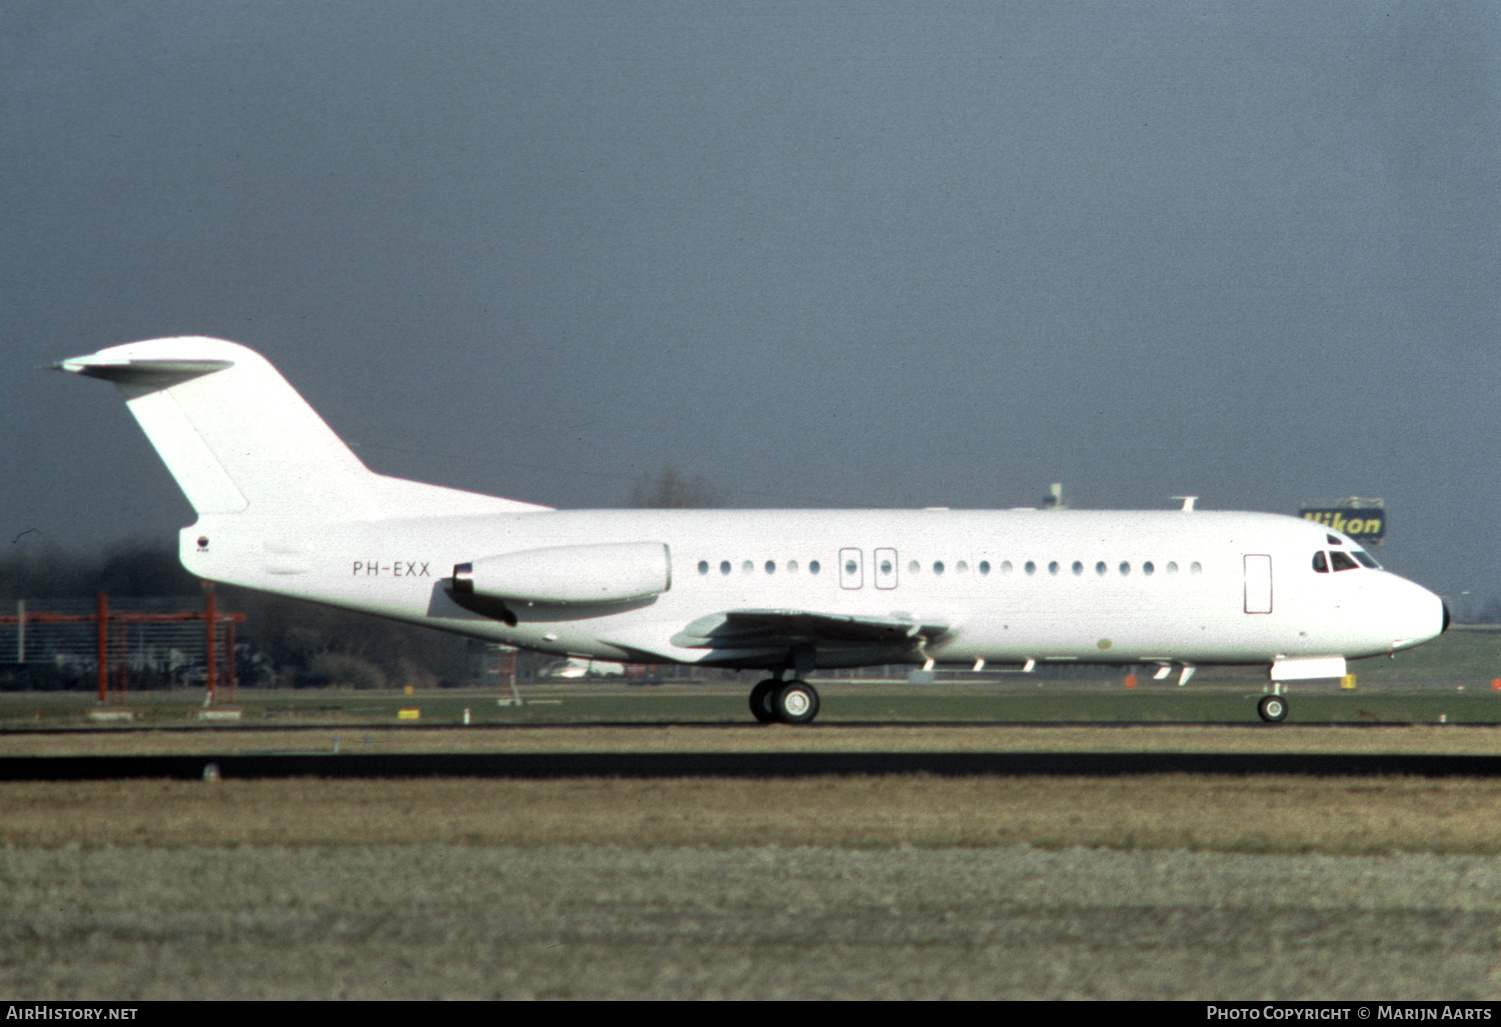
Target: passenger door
[{"x": 1258, "y": 583}]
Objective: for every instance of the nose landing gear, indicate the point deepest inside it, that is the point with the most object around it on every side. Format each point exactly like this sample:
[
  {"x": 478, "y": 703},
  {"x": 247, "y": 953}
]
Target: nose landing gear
[
  {"x": 790, "y": 702},
  {"x": 1273, "y": 709}
]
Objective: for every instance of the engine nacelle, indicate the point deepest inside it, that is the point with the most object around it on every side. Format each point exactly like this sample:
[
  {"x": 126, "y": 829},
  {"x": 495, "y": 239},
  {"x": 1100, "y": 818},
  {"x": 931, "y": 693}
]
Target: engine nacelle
[{"x": 610, "y": 572}]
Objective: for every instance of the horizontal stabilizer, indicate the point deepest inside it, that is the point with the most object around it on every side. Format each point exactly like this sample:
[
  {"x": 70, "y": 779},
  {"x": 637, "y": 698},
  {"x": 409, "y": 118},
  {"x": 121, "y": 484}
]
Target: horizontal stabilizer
[{"x": 151, "y": 373}]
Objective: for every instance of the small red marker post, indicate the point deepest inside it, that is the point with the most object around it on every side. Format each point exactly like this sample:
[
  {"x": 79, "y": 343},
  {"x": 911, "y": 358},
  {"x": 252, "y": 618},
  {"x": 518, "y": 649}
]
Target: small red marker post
[{"x": 1130, "y": 680}]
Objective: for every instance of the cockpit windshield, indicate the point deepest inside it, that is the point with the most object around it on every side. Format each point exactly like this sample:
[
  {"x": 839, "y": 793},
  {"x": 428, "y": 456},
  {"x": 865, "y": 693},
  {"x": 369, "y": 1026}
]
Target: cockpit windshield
[{"x": 1343, "y": 560}]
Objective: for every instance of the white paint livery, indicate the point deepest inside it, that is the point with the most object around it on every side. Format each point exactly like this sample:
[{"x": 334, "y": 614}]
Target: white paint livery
[{"x": 285, "y": 506}]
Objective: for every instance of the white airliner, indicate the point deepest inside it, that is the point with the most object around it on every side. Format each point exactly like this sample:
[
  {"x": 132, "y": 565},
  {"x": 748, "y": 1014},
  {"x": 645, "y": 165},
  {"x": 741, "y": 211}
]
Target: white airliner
[{"x": 284, "y": 505}]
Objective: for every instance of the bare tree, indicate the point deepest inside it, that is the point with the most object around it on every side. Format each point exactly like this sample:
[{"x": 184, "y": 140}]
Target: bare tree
[{"x": 669, "y": 490}]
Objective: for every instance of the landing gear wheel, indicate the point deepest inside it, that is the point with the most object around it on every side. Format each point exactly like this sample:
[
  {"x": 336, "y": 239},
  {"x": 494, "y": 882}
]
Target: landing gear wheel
[
  {"x": 795, "y": 702},
  {"x": 1273, "y": 709},
  {"x": 761, "y": 700}
]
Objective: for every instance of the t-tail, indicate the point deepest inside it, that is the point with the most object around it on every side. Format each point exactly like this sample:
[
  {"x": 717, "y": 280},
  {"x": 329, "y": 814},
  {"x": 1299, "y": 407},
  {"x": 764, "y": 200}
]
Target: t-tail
[{"x": 242, "y": 442}]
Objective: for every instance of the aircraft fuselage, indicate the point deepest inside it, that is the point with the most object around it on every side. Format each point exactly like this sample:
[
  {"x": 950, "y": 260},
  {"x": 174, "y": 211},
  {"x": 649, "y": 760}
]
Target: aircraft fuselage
[{"x": 1010, "y": 586}]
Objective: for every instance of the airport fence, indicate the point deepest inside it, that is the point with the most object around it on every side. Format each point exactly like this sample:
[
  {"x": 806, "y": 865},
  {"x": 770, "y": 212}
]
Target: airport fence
[{"x": 122, "y": 643}]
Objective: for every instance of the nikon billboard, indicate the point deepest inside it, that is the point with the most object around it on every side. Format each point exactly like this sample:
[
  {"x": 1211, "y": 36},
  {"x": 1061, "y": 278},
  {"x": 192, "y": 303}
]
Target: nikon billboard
[{"x": 1366, "y": 526}]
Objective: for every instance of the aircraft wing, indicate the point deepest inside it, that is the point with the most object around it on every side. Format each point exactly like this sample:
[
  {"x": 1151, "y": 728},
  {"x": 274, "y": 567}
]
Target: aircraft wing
[{"x": 776, "y": 629}]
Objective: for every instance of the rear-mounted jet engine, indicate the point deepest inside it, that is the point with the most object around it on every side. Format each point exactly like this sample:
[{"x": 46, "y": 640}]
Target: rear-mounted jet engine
[{"x": 611, "y": 572}]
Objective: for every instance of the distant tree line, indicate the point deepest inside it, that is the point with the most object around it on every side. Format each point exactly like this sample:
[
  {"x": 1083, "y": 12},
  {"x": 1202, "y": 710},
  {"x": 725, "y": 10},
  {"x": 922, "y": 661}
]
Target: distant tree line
[{"x": 669, "y": 490}]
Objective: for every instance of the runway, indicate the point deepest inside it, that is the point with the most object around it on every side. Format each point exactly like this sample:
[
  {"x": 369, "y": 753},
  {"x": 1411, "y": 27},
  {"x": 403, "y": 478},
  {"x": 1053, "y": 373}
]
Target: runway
[
  {"x": 770, "y": 765},
  {"x": 687, "y": 750}
]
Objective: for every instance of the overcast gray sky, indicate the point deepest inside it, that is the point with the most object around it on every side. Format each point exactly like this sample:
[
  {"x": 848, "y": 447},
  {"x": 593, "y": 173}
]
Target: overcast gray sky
[{"x": 820, "y": 254}]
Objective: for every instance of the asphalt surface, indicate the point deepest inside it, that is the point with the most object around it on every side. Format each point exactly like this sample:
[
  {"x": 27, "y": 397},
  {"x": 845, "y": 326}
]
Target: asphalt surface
[{"x": 739, "y": 764}]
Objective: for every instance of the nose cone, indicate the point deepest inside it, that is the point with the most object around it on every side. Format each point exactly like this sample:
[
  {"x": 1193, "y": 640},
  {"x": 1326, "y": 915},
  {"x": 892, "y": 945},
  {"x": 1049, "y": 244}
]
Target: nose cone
[{"x": 1422, "y": 615}]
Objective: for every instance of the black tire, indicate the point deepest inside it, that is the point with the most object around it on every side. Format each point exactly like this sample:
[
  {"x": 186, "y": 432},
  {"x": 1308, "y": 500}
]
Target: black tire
[
  {"x": 1273, "y": 709},
  {"x": 796, "y": 702},
  {"x": 761, "y": 705}
]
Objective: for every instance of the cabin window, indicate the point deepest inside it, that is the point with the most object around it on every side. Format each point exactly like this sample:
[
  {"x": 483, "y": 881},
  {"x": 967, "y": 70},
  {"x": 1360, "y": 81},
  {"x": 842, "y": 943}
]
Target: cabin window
[
  {"x": 1125, "y": 567},
  {"x": 1005, "y": 566},
  {"x": 1031, "y": 567},
  {"x": 703, "y": 566},
  {"x": 1078, "y": 568},
  {"x": 1196, "y": 568},
  {"x": 1148, "y": 567},
  {"x": 724, "y": 566},
  {"x": 1341, "y": 561},
  {"x": 937, "y": 566},
  {"x": 984, "y": 567},
  {"x": 1052, "y": 566},
  {"x": 1172, "y": 567},
  {"x": 914, "y": 566},
  {"x": 961, "y": 567},
  {"x": 748, "y": 567},
  {"x": 791, "y": 566},
  {"x": 771, "y": 566},
  {"x": 1100, "y": 568},
  {"x": 1319, "y": 563},
  {"x": 813, "y": 567}
]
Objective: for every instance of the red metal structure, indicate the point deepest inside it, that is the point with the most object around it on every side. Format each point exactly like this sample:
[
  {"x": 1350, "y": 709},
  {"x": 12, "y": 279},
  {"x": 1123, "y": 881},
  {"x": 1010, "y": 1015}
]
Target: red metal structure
[{"x": 117, "y": 646}]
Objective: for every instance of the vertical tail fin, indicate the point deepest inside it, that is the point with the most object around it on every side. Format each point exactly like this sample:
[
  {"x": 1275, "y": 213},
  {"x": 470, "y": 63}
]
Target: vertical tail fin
[{"x": 239, "y": 439}]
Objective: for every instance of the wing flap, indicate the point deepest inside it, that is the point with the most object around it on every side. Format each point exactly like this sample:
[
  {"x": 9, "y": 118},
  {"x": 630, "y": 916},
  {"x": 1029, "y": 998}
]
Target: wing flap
[{"x": 759, "y": 629}]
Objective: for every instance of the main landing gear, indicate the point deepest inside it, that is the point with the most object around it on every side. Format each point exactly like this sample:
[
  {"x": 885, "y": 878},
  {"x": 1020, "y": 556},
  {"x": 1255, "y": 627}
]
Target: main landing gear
[{"x": 791, "y": 702}]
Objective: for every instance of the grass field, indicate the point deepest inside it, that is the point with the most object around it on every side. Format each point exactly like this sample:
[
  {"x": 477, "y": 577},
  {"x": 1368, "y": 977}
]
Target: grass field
[
  {"x": 897, "y": 886},
  {"x": 843, "y": 702},
  {"x": 892, "y": 887},
  {"x": 430, "y": 921},
  {"x": 1226, "y": 814}
]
